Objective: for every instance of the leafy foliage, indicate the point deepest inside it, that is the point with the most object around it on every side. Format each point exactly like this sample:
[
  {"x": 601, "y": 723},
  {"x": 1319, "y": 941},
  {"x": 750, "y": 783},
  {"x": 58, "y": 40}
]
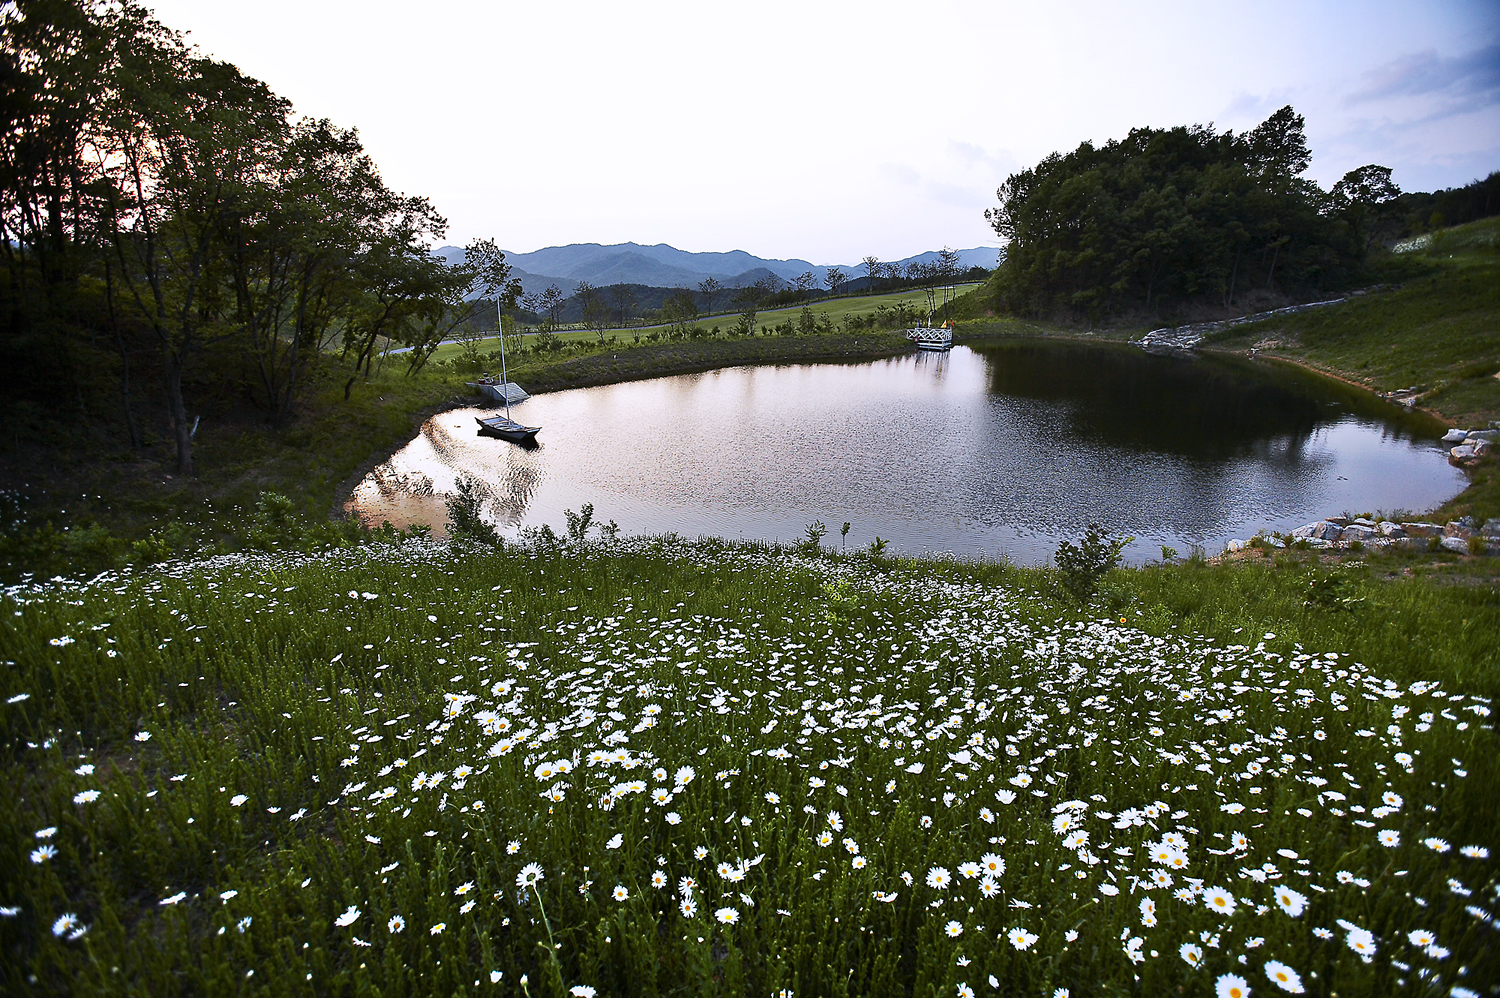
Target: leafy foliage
[
  {"x": 1082, "y": 567},
  {"x": 465, "y": 513},
  {"x": 1166, "y": 218}
]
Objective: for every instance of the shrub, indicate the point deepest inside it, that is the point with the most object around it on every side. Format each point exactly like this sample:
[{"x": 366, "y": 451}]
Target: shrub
[
  {"x": 465, "y": 519},
  {"x": 1332, "y": 590},
  {"x": 1081, "y": 567},
  {"x": 814, "y": 543}
]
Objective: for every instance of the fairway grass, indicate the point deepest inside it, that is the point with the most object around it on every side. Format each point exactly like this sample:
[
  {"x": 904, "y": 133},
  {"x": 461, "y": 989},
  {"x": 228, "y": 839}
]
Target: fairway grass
[
  {"x": 659, "y": 767},
  {"x": 835, "y": 310}
]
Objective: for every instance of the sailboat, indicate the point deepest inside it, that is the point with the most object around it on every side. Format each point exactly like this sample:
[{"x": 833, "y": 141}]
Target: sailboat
[{"x": 503, "y": 426}]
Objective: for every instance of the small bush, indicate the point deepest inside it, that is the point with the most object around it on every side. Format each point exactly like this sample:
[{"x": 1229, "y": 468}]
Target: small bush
[
  {"x": 465, "y": 519},
  {"x": 1332, "y": 590},
  {"x": 814, "y": 542},
  {"x": 1083, "y": 566}
]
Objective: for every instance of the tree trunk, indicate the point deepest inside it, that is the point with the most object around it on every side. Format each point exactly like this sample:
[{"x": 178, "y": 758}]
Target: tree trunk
[
  {"x": 181, "y": 432},
  {"x": 109, "y": 298}
]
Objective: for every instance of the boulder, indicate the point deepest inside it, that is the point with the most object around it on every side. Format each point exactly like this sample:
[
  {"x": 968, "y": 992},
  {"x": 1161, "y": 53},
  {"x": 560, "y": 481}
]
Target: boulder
[
  {"x": 1481, "y": 447},
  {"x": 1323, "y": 530},
  {"x": 1455, "y": 436},
  {"x": 1379, "y": 543},
  {"x": 1420, "y": 529},
  {"x": 1341, "y": 521},
  {"x": 1233, "y": 546},
  {"x": 1455, "y": 544},
  {"x": 1385, "y": 528},
  {"x": 1317, "y": 542},
  {"x": 1462, "y": 452},
  {"x": 1411, "y": 543},
  {"x": 1356, "y": 532},
  {"x": 1459, "y": 529},
  {"x": 1362, "y": 521},
  {"x": 1490, "y": 435},
  {"x": 1491, "y": 527}
]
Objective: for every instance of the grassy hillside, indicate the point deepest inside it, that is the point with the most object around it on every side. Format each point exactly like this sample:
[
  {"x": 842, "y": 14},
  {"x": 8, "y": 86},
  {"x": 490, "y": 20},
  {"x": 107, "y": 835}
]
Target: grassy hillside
[{"x": 1439, "y": 331}]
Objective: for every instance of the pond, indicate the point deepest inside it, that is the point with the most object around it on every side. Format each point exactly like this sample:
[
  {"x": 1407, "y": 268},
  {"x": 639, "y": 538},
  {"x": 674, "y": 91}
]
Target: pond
[{"x": 999, "y": 450}]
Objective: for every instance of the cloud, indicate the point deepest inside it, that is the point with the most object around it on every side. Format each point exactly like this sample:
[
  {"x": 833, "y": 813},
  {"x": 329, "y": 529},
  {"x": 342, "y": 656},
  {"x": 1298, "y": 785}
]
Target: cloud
[
  {"x": 1451, "y": 85},
  {"x": 1001, "y": 163}
]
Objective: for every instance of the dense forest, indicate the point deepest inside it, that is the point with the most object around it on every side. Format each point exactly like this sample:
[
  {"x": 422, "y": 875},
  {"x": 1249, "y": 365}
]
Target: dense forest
[
  {"x": 1169, "y": 220},
  {"x": 167, "y": 220}
]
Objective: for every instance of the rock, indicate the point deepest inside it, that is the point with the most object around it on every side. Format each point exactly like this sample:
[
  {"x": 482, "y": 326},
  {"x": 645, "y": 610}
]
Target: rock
[
  {"x": 1385, "y": 528},
  {"x": 1491, "y": 435},
  {"x": 1462, "y": 452},
  {"x": 1468, "y": 521},
  {"x": 1491, "y": 527},
  {"x": 1455, "y": 544},
  {"x": 1459, "y": 529},
  {"x": 1481, "y": 447},
  {"x": 1411, "y": 543},
  {"x": 1362, "y": 521},
  {"x": 1342, "y": 521},
  {"x": 1356, "y": 532},
  {"x": 1323, "y": 530},
  {"x": 1420, "y": 529},
  {"x": 1379, "y": 543},
  {"x": 1455, "y": 436},
  {"x": 1317, "y": 542},
  {"x": 1235, "y": 546}
]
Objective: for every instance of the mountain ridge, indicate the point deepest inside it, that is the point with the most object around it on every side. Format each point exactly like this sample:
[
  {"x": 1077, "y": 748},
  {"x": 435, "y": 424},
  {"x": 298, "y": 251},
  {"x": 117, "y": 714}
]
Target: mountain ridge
[{"x": 663, "y": 265}]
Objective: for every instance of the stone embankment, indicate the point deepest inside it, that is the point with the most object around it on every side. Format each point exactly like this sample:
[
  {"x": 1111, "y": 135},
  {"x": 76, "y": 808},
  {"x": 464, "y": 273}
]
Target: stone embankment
[
  {"x": 1471, "y": 445},
  {"x": 1187, "y": 337},
  {"x": 1465, "y": 536}
]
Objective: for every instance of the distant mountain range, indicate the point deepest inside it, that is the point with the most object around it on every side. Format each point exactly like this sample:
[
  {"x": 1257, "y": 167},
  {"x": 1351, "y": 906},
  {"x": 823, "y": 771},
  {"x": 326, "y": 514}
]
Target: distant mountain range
[{"x": 663, "y": 266}]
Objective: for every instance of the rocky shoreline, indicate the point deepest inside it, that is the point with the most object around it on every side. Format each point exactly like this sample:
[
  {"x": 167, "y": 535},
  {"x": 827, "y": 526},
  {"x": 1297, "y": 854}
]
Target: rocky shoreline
[
  {"x": 1471, "y": 444},
  {"x": 1463, "y": 536}
]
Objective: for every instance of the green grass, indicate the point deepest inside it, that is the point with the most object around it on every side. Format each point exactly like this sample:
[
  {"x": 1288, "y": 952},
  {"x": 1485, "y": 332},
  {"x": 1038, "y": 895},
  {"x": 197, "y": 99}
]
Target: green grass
[{"x": 926, "y": 714}]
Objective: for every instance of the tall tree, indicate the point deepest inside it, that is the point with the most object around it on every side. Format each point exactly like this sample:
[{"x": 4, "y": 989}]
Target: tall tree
[
  {"x": 710, "y": 289},
  {"x": 873, "y": 270},
  {"x": 1164, "y": 217},
  {"x": 679, "y": 311},
  {"x": 181, "y": 145},
  {"x": 590, "y": 302},
  {"x": 552, "y": 303},
  {"x": 834, "y": 279},
  {"x": 624, "y": 298},
  {"x": 748, "y": 300}
]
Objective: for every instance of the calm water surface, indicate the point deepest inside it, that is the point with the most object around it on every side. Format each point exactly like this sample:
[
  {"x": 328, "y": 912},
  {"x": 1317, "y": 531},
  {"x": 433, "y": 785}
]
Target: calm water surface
[{"x": 997, "y": 451}]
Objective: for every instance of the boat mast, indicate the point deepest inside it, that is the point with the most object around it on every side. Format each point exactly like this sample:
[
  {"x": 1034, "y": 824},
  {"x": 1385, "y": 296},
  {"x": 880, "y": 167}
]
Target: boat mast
[{"x": 504, "y": 377}]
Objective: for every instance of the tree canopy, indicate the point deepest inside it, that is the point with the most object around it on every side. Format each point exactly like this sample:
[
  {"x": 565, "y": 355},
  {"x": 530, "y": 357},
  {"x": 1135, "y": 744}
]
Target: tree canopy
[
  {"x": 175, "y": 204},
  {"x": 1167, "y": 218}
]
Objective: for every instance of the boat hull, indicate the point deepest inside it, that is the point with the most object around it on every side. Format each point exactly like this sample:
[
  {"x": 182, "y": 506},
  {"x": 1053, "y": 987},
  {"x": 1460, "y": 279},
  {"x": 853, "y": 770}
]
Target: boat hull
[{"x": 506, "y": 429}]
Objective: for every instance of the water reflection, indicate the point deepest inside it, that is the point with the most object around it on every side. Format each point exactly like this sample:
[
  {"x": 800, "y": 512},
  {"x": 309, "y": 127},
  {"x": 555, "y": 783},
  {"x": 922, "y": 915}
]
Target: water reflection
[{"x": 1003, "y": 450}]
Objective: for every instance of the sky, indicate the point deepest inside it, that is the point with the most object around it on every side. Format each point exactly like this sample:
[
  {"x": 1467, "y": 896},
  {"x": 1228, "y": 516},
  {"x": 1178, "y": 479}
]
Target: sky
[{"x": 832, "y": 131}]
